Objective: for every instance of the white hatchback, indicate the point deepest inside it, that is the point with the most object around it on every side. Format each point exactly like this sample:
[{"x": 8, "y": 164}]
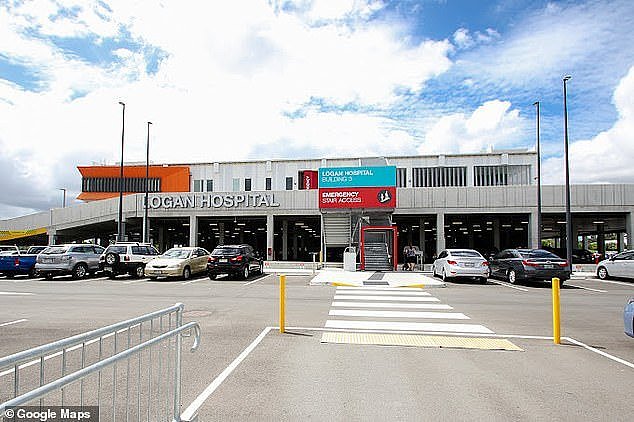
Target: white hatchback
[{"x": 467, "y": 263}]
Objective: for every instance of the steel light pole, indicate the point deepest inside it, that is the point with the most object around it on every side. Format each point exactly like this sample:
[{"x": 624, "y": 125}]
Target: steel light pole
[
  {"x": 146, "y": 226},
  {"x": 539, "y": 184},
  {"x": 64, "y": 197},
  {"x": 120, "y": 225},
  {"x": 568, "y": 214}
]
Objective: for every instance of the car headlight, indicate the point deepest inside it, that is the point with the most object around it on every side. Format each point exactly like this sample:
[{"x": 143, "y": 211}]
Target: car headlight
[{"x": 173, "y": 266}]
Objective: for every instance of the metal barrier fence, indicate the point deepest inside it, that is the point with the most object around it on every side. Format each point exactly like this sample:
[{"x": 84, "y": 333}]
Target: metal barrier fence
[{"x": 168, "y": 326}]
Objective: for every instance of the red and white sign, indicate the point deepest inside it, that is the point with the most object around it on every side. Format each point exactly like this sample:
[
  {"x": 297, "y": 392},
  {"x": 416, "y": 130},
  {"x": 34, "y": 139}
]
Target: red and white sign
[
  {"x": 310, "y": 179},
  {"x": 383, "y": 197}
]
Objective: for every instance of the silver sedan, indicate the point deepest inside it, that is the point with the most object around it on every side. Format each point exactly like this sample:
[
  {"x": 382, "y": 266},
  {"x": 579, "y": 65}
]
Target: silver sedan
[{"x": 454, "y": 263}]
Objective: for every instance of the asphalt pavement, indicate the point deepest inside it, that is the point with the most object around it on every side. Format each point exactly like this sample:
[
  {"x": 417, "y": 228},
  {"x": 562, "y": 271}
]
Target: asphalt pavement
[{"x": 291, "y": 376}]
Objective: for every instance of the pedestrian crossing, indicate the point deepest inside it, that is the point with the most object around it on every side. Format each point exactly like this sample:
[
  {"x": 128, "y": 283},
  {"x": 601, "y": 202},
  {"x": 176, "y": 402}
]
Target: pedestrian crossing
[{"x": 398, "y": 310}]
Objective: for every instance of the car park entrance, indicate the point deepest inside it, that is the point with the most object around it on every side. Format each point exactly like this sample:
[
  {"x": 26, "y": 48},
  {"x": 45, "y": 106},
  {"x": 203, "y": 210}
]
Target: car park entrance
[{"x": 214, "y": 231}]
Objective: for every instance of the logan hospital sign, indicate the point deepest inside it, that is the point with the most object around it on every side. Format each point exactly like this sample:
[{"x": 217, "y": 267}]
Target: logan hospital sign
[{"x": 250, "y": 200}]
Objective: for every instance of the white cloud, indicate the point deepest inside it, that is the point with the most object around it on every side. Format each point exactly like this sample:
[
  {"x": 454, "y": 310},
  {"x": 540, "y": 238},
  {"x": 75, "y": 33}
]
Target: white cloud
[
  {"x": 607, "y": 157},
  {"x": 231, "y": 74},
  {"x": 493, "y": 124}
]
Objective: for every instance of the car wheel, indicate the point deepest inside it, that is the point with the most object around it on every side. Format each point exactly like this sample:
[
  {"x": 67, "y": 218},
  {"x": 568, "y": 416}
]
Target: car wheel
[
  {"x": 483, "y": 280},
  {"x": 33, "y": 273},
  {"x": 139, "y": 271},
  {"x": 602, "y": 273},
  {"x": 48, "y": 276},
  {"x": 212, "y": 276},
  {"x": 511, "y": 276},
  {"x": 186, "y": 273},
  {"x": 111, "y": 258},
  {"x": 79, "y": 271},
  {"x": 153, "y": 278},
  {"x": 245, "y": 272}
]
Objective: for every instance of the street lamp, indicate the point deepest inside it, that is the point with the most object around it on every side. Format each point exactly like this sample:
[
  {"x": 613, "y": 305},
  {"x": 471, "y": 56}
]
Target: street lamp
[
  {"x": 146, "y": 226},
  {"x": 64, "y": 197},
  {"x": 568, "y": 214},
  {"x": 539, "y": 184},
  {"x": 120, "y": 225}
]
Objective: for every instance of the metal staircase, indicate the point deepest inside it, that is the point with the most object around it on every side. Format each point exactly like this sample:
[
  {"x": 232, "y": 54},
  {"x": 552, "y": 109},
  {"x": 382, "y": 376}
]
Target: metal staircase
[{"x": 377, "y": 257}]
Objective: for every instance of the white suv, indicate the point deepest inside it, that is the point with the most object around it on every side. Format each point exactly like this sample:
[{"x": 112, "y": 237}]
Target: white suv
[{"x": 127, "y": 257}]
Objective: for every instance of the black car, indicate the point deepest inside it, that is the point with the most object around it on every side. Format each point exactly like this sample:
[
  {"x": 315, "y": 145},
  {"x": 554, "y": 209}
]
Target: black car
[
  {"x": 579, "y": 256},
  {"x": 528, "y": 264},
  {"x": 235, "y": 260}
]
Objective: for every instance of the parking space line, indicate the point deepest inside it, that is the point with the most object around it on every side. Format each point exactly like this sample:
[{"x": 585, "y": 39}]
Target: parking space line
[
  {"x": 257, "y": 279},
  {"x": 602, "y": 353},
  {"x": 17, "y": 321},
  {"x": 192, "y": 281},
  {"x": 192, "y": 408},
  {"x": 136, "y": 280},
  {"x": 617, "y": 282},
  {"x": 15, "y": 294},
  {"x": 586, "y": 288},
  {"x": 502, "y": 283}
]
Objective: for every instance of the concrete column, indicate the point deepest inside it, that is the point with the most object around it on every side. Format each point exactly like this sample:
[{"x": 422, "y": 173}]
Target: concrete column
[
  {"x": 421, "y": 236},
  {"x": 440, "y": 233},
  {"x": 161, "y": 238},
  {"x": 284, "y": 240},
  {"x": 496, "y": 234},
  {"x": 221, "y": 232},
  {"x": 193, "y": 230},
  {"x": 52, "y": 236},
  {"x": 629, "y": 229},
  {"x": 294, "y": 245},
  {"x": 533, "y": 232},
  {"x": 584, "y": 241},
  {"x": 270, "y": 230},
  {"x": 600, "y": 239},
  {"x": 620, "y": 242}
]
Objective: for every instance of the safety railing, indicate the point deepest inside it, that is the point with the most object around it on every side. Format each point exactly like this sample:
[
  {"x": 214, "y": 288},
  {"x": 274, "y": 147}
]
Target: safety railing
[{"x": 160, "y": 331}]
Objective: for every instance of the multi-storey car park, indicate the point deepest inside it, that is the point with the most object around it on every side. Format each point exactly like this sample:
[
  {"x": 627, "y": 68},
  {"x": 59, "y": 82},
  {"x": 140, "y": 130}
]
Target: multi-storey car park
[{"x": 486, "y": 201}]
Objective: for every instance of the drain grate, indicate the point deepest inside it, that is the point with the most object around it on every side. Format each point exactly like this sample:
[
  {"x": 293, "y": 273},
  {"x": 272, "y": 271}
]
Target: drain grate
[
  {"x": 376, "y": 276},
  {"x": 375, "y": 283}
]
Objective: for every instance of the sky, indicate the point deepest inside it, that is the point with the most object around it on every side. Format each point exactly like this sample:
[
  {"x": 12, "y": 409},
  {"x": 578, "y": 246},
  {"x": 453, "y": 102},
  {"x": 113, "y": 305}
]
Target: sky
[{"x": 238, "y": 80}]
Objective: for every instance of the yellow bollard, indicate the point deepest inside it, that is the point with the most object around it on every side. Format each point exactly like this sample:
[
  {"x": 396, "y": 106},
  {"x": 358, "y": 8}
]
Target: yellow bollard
[
  {"x": 556, "y": 325},
  {"x": 282, "y": 302}
]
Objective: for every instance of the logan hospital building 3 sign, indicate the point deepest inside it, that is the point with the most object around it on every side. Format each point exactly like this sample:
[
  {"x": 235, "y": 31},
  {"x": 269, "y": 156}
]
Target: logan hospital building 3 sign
[{"x": 357, "y": 187}]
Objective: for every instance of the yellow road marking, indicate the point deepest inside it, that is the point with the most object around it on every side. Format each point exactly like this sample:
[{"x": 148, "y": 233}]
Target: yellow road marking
[{"x": 419, "y": 341}]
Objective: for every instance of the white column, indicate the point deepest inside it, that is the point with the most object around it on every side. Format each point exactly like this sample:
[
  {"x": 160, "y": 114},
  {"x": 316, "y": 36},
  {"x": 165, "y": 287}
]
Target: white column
[
  {"x": 533, "y": 232},
  {"x": 193, "y": 230},
  {"x": 52, "y": 236},
  {"x": 629, "y": 229},
  {"x": 440, "y": 233},
  {"x": 270, "y": 227}
]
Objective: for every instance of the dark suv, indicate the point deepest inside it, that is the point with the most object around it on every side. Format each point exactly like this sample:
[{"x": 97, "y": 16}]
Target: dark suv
[{"x": 235, "y": 260}]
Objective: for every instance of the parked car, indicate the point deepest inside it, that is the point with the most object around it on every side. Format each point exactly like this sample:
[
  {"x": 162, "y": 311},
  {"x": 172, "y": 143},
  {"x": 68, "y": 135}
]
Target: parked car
[
  {"x": 12, "y": 264},
  {"x": 529, "y": 264},
  {"x": 579, "y": 256},
  {"x": 235, "y": 260},
  {"x": 127, "y": 258},
  {"x": 178, "y": 262},
  {"x": 78, "y": 260},
  {"x": 620, "y": 265},
  {"x": 9, "y": 250},
  {"x": 628, "y": 317},
  {"x": 454, "y": 263}
]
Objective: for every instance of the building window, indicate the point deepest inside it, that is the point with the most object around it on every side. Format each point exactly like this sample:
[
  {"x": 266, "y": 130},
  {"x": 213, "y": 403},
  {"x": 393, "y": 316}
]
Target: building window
[
  {"x": 198, "y": 186},
  {"x": 247, "y": 184},
  {"x": 429, "y": 177},
  {"x": 289, "y": 183},
  {"x": 236, "y": 184},
  {"x": 501, "y": 175},
  {"x": 401, "y": 177},
  {"x": 268, "y": 183},
  {"x": 111, "y": 184},
  {"x": 210, "y": 185}
]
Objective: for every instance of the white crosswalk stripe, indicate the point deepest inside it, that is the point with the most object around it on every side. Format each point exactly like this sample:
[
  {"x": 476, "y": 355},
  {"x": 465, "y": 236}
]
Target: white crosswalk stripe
[{"x": 397, "y": 310}]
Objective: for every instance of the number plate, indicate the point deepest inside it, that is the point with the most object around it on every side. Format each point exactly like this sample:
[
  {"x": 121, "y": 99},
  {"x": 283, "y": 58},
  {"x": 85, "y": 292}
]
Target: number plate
[
  {"x": 223, "y": 260},
  {"x": 469, "y": 264},
  {"x": 107, "y": 268},
  {"x": 549, "y": 266}
]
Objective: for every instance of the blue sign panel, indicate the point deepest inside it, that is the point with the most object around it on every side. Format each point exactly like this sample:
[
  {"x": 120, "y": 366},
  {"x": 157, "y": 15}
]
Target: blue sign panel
[{"x": 357, "y": 177}]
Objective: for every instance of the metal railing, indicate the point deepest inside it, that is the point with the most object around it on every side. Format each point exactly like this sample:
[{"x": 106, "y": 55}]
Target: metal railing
[{"x": 166, "y": 323}]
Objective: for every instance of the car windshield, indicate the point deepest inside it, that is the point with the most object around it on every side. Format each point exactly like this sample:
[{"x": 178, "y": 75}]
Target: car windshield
[
  {"x": 177, "y": 253},
  {"x": 225, "y": 252},
  {"x": 467, "y": 254},
  {"x": 55, "y": 250},
  {"x": 538, "y": 253}
]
